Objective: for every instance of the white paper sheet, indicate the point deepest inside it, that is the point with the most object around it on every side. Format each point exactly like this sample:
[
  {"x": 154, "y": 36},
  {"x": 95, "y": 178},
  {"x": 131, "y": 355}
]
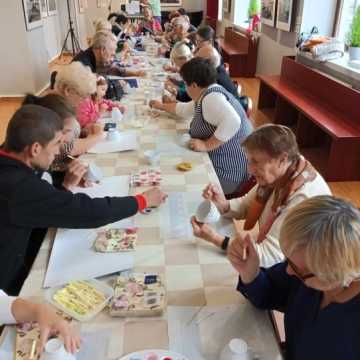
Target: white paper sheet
[
  {"x": 127, "y": 141},
  {"x": 7, "y": 346},
  {"x": 203, "y": 334},
  {"x": 109, "y": 186},
  {"x": 73, "y": 258}
]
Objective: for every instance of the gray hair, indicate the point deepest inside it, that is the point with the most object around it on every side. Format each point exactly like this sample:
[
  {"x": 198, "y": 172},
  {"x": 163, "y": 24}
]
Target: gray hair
[{"x": 103, "y": 40}]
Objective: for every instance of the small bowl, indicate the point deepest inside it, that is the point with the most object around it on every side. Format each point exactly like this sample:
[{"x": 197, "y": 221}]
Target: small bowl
[
  {"x": 236, "y": 349},
  {"x": 153, "y": 157},
  {"x": 55, "y": 350},
  {"x": 207, "y": 212}
]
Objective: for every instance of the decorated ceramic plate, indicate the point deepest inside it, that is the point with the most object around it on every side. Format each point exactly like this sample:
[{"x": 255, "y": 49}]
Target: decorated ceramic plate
[{"x": 154, "y": 355}]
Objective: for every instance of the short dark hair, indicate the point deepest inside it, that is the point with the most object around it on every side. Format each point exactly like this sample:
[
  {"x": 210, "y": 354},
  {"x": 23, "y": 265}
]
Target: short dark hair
[
  {"x": 29, "y": 125},
  {"x": 112, "y": 15},
  {"x": 206, "y": 32},
  {"x": 121, "y": 19},
  {"x": 54, "y": 102},
  {"x": 199, "y": 71},
  {"x": 182, "y": 11}
]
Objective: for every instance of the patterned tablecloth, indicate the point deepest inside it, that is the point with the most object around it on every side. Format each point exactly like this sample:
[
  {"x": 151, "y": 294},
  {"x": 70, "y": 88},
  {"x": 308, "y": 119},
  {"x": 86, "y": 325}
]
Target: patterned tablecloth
[{"x": 196, "y": 273}]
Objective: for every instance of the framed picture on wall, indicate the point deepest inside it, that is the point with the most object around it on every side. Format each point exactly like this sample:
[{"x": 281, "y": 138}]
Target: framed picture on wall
[
  {"x": 227, "y": 6},
  {"x": 284, "y": 14},
  {"x": 171, "y": 2},
  {"x": 43, "y": 7},
  {"x": 32, "y": 14},
  {"x": 52, "y": 8},
  {"x": 268, "y": 12},
  {"x": 82, "y": 6}
]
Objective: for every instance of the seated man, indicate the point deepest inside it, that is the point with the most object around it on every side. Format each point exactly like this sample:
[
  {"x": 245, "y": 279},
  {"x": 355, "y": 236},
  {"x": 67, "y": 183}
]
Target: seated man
[
  {"x": 101, "y": 55},
  {"x": 33, "y": 139},
  {"x": 16, "y": 310}
]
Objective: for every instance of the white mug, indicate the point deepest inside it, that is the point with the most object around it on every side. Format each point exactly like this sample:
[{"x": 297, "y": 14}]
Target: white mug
[
  {"x": 55, "y": 350},
  {"x": 236, "y": 349}
]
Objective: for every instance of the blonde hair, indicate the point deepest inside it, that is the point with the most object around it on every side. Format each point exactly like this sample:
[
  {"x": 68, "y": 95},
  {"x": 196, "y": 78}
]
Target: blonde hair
[
  {"x": 103, "y": 39},
  {"x": 76, "y": 76},
  {"x": 274, "y": 140},
  {"x": 101, "y": 24},
  {"x": 328, "y": 228},
  {"x": 180, "y": 51}
]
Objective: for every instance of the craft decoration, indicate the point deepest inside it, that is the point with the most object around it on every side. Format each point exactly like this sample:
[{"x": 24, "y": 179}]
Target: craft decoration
[
  {"x": 116, "y": 240},
  {"x": 138, "y": 295},
  {"x": 146, "y": 177}
]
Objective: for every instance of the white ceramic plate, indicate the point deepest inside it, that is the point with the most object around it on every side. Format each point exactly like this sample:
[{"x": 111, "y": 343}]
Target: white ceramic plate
[{"x": 161, "y": 355}]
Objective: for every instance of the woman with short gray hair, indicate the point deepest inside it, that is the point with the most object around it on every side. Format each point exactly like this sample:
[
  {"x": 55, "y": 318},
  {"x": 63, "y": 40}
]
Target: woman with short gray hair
[{"x": 317, "y": 286}]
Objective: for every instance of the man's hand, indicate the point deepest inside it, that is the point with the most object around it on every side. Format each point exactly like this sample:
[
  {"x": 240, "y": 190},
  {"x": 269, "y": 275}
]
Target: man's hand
[
  {"x": 154, "y": 197},
  {"x": 74, "y": 174}
]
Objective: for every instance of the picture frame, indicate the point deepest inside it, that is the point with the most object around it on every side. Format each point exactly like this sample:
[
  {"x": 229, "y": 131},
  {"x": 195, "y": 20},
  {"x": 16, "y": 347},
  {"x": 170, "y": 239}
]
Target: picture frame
[
  {"x": 227, "y": 6},
  {"x": 170, "y": 2},
  {"x": 51, "y": 7},
  {"x": 284, "y": 14},
  {"x": 43, "y": 7},
  {"x": 82, "y": 6},
  {"x": 268, "y": 12},
  {"x": 32, "y": 14}
]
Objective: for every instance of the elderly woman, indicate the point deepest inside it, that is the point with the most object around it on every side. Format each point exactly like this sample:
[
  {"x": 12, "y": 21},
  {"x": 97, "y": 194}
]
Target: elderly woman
[
  {"x": 219, "y": 123},
  {"x": 317, "y": 286},
  {"x": 149, "y": 24},
  {"x": 284, "y": 179},
  {"x": 75, "y": 82}
]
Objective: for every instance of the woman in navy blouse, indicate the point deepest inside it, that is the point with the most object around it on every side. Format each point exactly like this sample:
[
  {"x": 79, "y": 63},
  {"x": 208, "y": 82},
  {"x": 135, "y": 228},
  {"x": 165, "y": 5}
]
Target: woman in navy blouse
[{"x": 317, "y": 286}]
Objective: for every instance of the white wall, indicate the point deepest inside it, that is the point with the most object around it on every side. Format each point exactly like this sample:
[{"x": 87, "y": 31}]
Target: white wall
[{"x": 24, "y": 67}]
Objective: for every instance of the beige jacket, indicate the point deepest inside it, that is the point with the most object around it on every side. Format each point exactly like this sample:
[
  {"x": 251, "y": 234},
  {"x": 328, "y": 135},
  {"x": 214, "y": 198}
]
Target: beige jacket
[{"x": 269, "y": 250}]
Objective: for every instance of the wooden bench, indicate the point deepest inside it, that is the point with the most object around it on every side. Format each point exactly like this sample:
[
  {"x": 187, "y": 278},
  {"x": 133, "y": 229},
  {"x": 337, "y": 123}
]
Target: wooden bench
[
  {"x": 324, "y": 114},
  {"x": 240, "y": 51}
]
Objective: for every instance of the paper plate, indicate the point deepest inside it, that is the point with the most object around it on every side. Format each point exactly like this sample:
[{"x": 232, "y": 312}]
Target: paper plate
[{"x": 157, "y": 355}]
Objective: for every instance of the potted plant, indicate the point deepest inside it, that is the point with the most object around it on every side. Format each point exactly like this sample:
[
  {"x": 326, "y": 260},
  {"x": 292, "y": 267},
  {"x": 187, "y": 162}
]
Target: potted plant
[{"x": 354, "y": 37}]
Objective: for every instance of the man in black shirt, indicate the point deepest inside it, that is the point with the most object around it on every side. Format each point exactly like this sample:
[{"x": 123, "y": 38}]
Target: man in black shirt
[{"x": 33, "y": 138}]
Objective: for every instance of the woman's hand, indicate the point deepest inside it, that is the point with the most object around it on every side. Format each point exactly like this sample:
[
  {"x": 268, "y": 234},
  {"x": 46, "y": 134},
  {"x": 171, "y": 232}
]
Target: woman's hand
[
  {"x": 244, "y": 258},
  {"x": 156, "y": 104},
  {"x": 206, "y": 232},
  {"x": 139, "y": 73},
  {"x": 198, "y": 145},
  {"x": 50, "y": 323},
  {"x": 215, "y": 195}
]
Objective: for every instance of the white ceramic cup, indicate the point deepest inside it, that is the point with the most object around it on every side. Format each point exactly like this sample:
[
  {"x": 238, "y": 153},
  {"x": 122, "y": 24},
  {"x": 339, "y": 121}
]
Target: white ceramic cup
[
  {"x": 207, "y": 212},
  {"x": 94, "y": 173},
  {"x": 184, "y": 139},
  {"x": 55, "y": 350},
  {"x": 112, "y": 135},
  {"x": 116, "y": 114},
  {"x": 236, "y": 349},
  {"x": 153, "y": 157}
]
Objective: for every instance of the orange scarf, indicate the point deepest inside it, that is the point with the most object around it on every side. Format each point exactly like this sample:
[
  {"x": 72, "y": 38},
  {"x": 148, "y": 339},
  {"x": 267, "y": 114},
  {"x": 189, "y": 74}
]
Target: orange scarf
[{"x": 299, "y": 172}]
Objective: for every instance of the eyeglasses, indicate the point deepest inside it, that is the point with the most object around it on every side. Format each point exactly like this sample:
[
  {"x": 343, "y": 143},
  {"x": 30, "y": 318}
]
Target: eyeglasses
[{"x": 297, "y": 272}]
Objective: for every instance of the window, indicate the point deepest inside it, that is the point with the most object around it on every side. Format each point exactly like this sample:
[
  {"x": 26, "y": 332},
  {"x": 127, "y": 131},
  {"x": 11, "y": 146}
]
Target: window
[
  {"x": 347, "y": 13},
  {"x": 241, "y": 8}
]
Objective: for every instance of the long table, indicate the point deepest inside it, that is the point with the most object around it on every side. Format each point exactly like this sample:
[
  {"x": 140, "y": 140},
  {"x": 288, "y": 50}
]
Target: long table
[{"x": 199, "y": 279}]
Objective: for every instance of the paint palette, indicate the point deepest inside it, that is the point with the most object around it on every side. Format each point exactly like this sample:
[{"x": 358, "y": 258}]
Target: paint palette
[
  {"x": 154, "y": 355},
  {"x": 138, "y": 295},
  {"x": 146, "y": 177},
  {"x": 27, "y": 339},
  {"x": 116, "y": 240}
]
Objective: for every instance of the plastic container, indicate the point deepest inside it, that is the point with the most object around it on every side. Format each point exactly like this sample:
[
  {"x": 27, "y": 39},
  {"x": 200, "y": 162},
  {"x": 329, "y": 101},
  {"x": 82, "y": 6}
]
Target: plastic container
[
  {"x": 98, "y": 285},
  {"x": 207, "y": 212}
]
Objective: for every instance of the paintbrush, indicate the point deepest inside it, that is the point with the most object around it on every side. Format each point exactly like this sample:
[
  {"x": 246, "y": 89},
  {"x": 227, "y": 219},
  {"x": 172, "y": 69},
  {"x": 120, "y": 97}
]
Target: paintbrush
[{"x": 33, "y": 350}]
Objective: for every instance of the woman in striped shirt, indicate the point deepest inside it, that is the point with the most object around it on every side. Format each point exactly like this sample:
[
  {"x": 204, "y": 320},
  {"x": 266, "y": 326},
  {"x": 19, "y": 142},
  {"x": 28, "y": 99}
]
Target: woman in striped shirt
[{"x": 219, "y": 123}]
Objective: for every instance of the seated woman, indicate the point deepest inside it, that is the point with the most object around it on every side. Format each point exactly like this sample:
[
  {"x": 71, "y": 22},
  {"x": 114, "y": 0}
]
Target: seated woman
[
  {"x": 75, "y": 82},
  {"x": 90, "y": 109},
  {"x": 17, "y": 310},
  {"x": 219, "y": 123},
  {"x": 317, "y": 286},
  {"x": 284, "y": 179},
  {"x": 149, "y": 24}
]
